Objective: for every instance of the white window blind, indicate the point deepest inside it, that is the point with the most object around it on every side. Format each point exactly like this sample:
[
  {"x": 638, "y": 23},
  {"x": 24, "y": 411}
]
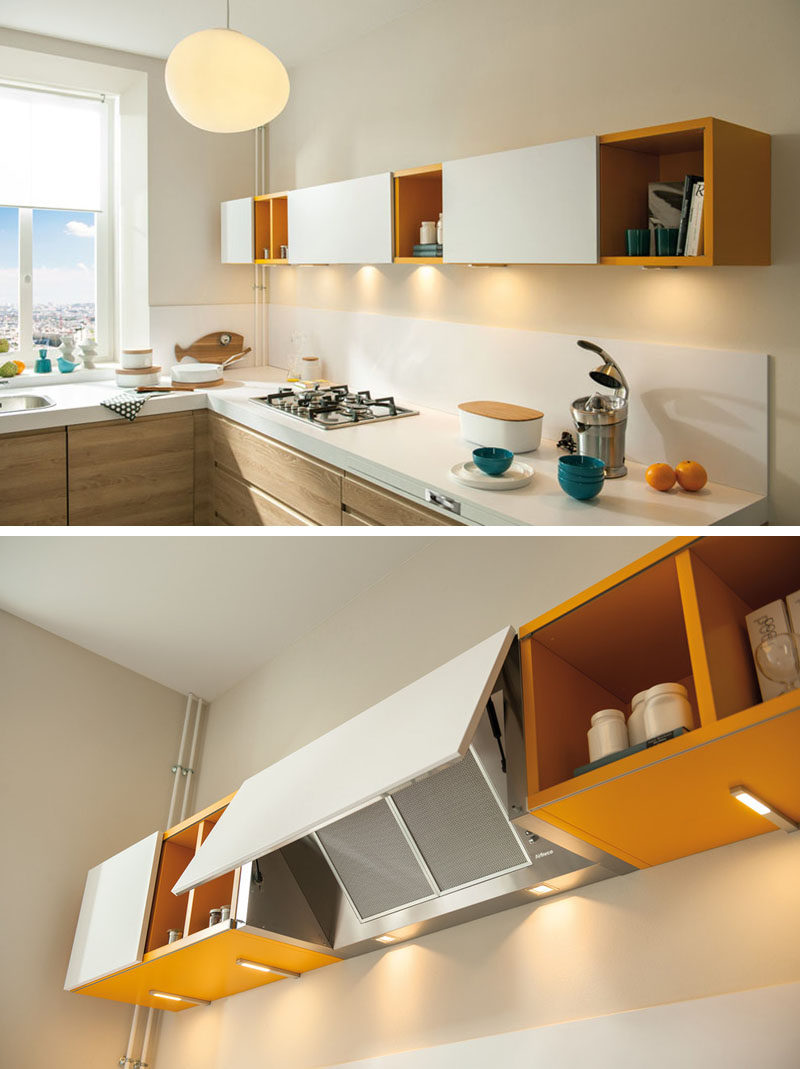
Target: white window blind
[{"x": 52, "y": 150}]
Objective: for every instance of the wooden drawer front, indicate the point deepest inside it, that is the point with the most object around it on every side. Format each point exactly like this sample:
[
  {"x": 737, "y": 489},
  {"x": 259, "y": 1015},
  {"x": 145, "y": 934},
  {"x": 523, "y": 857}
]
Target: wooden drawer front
[
  {"x": 33, "y": 478},
  {"x": 238, "y": 504},
  {"x": 351, "y": 519},
  {"x": 133, "y": 473},
  {"x": 305, "y": 485},
  {"x": 382, "y": 508}
]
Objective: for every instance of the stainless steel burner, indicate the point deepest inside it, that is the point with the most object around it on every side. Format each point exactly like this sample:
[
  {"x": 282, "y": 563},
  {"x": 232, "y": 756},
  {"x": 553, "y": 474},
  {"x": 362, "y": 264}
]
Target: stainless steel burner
[{"x": 334, "y": 406}]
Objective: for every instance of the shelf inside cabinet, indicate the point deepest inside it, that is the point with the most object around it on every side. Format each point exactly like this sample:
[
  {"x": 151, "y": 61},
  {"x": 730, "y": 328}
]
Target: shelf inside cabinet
[
  {"x": 417, "y": 197},
  {"x": 188, "y": 913},
  {"x": 734, "y": 162},
  {"x": 628, "y": 163},
  {"x": 271, "y": 228},
  {"x": 598, "y": 656}
]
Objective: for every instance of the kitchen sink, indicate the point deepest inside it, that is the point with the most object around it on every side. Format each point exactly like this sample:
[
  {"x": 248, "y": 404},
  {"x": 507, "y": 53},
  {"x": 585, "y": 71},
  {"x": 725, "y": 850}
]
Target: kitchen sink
[{"x": 24, "y": 402}]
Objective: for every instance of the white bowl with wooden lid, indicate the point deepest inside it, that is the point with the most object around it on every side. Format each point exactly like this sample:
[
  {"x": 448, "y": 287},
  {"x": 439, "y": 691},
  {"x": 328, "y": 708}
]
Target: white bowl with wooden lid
[
  {"x": 504, "y": 426},
  {"x": 135, "y": 359},
  {"x": 144, "y": 376}
]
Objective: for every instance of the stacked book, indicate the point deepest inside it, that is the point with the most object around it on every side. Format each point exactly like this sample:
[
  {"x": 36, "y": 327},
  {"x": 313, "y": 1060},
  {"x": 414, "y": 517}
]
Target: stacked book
[
  {"x": 428, "y": 250},
  {"x": 679, "y": 205}
]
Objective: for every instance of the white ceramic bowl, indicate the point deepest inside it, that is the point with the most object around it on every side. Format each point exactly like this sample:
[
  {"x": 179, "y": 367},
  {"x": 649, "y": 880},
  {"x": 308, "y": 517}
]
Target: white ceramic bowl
[
  {"x": 196, "y": 373},
  {"x": 146, "y": 376},
  {"x": 136, "y": 358},
  {"x": 519, "y": 435}
]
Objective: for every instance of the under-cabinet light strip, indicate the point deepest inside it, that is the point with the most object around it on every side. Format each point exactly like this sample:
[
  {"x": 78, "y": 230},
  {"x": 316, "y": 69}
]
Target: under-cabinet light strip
[
  {"x": 259, "y": 967},
  {"x": 180, "y": 998},
  {"x": 764, "y": 809}
]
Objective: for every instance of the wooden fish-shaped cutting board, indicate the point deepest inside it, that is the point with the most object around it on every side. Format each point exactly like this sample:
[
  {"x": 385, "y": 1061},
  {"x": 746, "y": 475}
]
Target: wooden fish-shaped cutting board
[{"x": 213, "y": 348}]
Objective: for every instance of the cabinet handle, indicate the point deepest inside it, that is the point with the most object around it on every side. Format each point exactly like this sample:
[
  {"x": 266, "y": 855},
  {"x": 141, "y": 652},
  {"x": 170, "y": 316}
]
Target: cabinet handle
[{"x": 444, "y": 502}]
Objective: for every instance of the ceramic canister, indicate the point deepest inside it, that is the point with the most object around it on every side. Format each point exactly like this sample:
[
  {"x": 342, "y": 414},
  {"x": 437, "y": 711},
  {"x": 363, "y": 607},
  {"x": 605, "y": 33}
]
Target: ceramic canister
[
  {"x": 666, "y": 707},
  {"x": 636, "y": 719},
  {"x": 607, "y": 734},
  {"x": 136, "y": 358}
]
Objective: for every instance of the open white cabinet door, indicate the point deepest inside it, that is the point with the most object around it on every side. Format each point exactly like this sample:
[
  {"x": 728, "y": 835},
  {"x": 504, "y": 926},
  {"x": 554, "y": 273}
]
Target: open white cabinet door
[
  {"x": 342, "y": 223},
  {"x": 425, "y": 726},
  {"x": 112, "y": 924}
]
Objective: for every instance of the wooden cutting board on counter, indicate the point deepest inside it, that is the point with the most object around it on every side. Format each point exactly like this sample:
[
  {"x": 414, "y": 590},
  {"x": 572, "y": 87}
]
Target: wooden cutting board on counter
[{"x": 213, "y": 348}]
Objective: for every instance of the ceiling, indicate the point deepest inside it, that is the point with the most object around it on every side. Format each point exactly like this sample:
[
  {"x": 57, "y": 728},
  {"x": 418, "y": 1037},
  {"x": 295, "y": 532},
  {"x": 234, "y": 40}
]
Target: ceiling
[
  {"x": 295, "y": 30},
  {"x": 194, "y": 613}
]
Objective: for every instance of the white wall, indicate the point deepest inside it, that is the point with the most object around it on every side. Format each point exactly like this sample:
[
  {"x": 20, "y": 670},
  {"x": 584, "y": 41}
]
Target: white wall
[
  {"x": 461, "y": 77},
  {"x": 84, "y": 772},
  {"x": 717, "y": 922}
]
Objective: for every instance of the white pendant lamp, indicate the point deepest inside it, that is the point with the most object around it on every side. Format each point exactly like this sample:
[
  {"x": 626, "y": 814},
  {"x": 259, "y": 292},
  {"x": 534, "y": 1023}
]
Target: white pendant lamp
[{"x": 225, "y": 82}]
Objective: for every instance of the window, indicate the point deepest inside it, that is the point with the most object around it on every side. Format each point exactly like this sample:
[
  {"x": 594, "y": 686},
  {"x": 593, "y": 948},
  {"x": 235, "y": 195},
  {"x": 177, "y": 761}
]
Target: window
[{"x": 56, "y": 219}]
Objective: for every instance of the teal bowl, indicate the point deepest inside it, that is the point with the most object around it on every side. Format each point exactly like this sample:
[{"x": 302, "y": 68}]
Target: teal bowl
[
  {"x": 492, "y": 461},
  {"x": 579, "y": 467},
  {"x": 581, "y": 491}
]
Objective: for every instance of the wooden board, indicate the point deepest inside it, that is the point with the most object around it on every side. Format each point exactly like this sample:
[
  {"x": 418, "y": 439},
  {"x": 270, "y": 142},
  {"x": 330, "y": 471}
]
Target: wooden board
[
  {"x": 501, "y": 410},
  {"x": 210, "y": 349}
]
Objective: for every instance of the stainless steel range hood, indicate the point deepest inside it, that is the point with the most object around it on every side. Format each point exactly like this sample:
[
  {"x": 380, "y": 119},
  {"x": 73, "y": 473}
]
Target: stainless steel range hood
[{"x": 399, "y": 821}]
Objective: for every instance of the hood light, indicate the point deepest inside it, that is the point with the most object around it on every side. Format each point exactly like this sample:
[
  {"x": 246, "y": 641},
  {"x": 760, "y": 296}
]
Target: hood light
[
  {"x": 541, "y": 889},
  {"x": 258, "y": 967},
  {"x": 385, "y": 939},
  {"x": 180, "y": 998},
  {"x": 758, "y": 805}
]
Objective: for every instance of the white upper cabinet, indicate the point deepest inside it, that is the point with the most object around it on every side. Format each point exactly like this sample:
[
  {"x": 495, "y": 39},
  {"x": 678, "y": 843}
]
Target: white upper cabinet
[
  {"x": 112, "y": 924},
  {"x": 342, "y": 223},
  {"x": 237, "y": 231},
  {"x": 527, "y": 206}
]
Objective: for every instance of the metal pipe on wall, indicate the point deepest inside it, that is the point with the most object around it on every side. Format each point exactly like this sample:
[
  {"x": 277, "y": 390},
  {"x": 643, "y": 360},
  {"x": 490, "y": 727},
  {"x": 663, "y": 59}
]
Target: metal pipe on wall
[{"x": 189, "y": 771}]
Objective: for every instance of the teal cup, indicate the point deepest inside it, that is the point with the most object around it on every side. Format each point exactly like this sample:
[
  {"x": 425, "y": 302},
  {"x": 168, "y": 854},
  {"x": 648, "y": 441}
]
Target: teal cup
[
  {"x": 638, "y": 242},
  {"x": 666, "y": 240}
]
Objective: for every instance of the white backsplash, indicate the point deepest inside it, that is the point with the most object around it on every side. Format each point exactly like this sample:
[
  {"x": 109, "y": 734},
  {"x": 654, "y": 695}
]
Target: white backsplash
[
  {"x": 705, "y": 404},
  {"x": 184, "y": 324}
]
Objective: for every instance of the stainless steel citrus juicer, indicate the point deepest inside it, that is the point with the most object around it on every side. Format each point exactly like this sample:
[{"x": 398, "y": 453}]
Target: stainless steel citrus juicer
[{"x": 600, "y": 418}]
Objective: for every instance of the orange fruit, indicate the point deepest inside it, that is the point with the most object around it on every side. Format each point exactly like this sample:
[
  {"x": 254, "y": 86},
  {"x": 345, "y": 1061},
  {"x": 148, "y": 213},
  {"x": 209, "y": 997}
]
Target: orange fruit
[
  {"x": 660, "y": 476},
  {"x": 20, "y": 366},
  {"x": 691, "y": 475}
]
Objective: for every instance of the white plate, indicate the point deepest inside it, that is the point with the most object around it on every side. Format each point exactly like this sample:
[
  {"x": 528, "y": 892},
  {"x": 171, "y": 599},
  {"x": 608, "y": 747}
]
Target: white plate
[{"x": 519, "y": 474}]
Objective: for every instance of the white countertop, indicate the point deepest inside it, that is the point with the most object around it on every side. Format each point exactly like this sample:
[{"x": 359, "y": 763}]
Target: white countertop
[{"x": 414, "y": 454}]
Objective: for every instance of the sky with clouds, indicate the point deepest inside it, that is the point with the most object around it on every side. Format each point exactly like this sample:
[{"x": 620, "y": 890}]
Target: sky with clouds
[{"x": 63, "y": 257}]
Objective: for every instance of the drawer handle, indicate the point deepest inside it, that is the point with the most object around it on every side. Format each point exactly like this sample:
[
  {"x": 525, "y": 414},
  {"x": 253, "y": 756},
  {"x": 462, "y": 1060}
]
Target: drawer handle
[{"x": 444, "y": 502}]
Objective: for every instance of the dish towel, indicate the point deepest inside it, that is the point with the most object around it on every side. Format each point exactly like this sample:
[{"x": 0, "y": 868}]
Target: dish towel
[{"x": 127, "y": 404}]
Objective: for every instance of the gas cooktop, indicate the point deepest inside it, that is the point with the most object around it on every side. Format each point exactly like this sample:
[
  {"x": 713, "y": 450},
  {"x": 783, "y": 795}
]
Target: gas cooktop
[{"x": 331, "y": 407}]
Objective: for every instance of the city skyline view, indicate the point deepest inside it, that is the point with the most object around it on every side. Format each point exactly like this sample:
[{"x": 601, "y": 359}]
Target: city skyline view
[{"x": 63, "y": 272}]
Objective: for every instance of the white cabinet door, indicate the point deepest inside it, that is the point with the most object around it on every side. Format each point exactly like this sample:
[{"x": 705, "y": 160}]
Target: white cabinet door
[
  {"x": 342, "y": 223},
  {"x": 237, "y": 231},
  {"x": 428, "y": 724},
  {"x": 112, "y": 924},
  {"x": 527, "y": 206}
]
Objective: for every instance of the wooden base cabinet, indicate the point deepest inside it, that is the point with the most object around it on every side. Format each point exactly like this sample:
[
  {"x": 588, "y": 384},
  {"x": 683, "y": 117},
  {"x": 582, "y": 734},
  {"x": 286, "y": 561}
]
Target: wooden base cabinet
[
  {"x": 366, "y": 505},
  {"x": 139, "y": 473},
  {"x": 258, "y": 481},
  {"x": 122, "y": 950},
  {"x": 33, "y": 478},
  {"x": 677, "y": 615}
]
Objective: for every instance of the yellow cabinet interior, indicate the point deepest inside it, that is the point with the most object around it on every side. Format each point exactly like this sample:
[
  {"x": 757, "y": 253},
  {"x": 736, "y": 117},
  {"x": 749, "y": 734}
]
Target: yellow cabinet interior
[
  {"x": 202, "y": 964},
  {"x": 677, "y": 615}
]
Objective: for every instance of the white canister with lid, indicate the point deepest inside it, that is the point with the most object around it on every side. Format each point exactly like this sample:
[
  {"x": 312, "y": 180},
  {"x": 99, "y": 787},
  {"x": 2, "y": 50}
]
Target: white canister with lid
[
  {"x": 607, "y": 734},
  {"x": 136, "y": 359},
  {"x": 666, "y": 707},
  {"x": 310, "y": 368},
  {"x": 636, "y": 719}
]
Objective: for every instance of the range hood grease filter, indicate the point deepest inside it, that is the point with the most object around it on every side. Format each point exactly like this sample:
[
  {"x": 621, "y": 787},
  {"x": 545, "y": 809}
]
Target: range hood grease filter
[
  {"x": 454, "y": 820},
  {"x": 439, "y": 849}
]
